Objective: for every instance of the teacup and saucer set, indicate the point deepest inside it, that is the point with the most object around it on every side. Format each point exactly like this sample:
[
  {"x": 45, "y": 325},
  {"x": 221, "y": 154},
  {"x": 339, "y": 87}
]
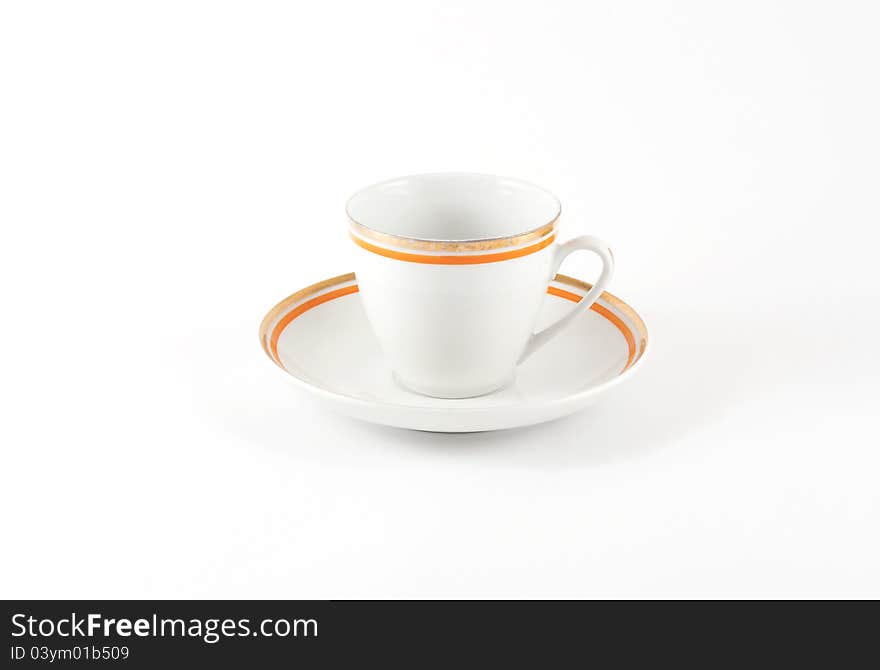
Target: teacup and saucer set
[{"x": 455, "y": 319}]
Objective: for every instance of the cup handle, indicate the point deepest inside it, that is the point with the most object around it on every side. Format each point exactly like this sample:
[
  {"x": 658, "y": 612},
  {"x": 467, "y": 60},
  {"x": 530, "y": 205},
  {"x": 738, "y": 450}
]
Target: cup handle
[{"x": 589, "y": 243}]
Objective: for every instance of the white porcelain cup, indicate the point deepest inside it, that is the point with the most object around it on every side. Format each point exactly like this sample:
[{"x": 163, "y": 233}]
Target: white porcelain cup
[{"x": 453, "y": 269}]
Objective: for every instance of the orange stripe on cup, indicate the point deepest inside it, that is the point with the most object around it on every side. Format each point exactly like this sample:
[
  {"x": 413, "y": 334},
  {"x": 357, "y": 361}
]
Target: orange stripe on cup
[
  {"x": 453, "y": 259},
  {"x": 608, "y": 314},
  {"x": 305, "y": 307}
]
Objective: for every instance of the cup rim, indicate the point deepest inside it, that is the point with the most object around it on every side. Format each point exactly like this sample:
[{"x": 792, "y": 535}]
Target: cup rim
[{"x": 513, "y": 239}]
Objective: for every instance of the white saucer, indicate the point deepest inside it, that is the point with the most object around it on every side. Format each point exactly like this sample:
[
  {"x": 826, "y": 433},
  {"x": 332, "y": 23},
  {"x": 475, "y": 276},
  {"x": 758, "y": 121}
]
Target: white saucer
[{"x": 320, "y": 336}]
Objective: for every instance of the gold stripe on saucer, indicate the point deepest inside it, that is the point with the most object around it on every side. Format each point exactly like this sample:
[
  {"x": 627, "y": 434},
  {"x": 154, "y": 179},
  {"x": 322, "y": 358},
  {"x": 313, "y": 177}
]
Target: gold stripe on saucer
[
  {"x": 311, "y": 303},
  {"x": 619, "y": 305},
  {"x": 291, "y": 300},
  {"x": 284, "y": 312}
]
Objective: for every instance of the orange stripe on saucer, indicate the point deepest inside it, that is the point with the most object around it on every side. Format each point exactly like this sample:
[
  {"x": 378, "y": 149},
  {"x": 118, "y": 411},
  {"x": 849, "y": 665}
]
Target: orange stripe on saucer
[
  {"x": 347, "y": 290},
  {"x": 608, "y": 314},
  {"x": 305, "y": 307},
  {"x": 454, "y": 260}
]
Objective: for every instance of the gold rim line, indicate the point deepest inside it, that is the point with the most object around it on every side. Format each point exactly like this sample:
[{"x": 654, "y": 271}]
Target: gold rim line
[
  {"x": 478, "y": 259},
  {"x": 452, "y": 246},
  {"x": 283, "y": 307}
]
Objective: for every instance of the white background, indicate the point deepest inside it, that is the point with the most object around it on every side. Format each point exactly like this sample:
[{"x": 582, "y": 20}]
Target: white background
[{"x": 170, "y": 170}]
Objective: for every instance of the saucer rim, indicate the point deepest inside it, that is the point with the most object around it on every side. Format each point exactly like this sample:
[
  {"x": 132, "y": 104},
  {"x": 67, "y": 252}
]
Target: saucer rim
[{"x": 452, "y": 405}]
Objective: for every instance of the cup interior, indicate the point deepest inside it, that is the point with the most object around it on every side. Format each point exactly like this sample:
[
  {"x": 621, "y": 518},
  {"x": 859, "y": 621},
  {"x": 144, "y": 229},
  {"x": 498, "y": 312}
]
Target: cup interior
[{"x": 453, "y": 207}]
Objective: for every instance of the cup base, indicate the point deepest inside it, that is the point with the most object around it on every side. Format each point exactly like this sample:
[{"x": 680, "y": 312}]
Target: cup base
[{"x": 449, "y": 393}]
